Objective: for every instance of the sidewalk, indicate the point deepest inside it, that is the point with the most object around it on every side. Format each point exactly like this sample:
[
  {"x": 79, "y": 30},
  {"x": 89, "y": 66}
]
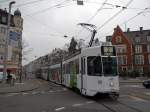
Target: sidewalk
[
  {"x": 26, "y": 85},
  {"x": 131, "y": 80}
]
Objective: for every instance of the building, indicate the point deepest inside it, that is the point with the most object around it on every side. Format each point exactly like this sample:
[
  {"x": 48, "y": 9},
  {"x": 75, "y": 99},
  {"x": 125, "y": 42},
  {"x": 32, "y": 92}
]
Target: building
[
  {"x": 133, "y": 50},
  {"x": 14, "y": 42}
]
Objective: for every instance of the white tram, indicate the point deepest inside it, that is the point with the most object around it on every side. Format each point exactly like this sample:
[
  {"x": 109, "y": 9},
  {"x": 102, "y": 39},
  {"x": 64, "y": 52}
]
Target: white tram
[{"x": 92, "y": 71}]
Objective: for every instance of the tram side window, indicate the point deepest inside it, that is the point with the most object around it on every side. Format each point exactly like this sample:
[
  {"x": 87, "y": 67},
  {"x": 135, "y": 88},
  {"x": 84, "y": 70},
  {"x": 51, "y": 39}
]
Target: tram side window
[
  {"x": 94, "y": 66},
  {"x": 77, "y": 66},
  {"x": 64, "y": 68},
  {"x": 82, "y": 65},
  {"x": 68, "y": 68}
]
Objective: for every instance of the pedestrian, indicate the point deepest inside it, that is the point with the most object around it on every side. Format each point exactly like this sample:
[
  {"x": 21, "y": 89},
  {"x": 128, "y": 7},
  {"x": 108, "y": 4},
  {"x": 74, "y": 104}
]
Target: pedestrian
[
  {"x": 9, "y": 77},
  {"x": 13, "y": 79}
]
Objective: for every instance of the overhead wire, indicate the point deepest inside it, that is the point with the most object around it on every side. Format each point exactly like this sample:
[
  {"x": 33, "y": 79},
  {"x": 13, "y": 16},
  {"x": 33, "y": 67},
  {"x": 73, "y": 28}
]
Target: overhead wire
[
  {"x": 117, "y": 6},
  {"x": 114, "y": 5},
  {"x": 47, "y": 9},
  {"x": 98, "y": 11},
  {"x": 139, "y": 13},
  {"x": 3, "y": 1},
  {"x": 101, "y": 7},
  {"x": 29, "y": 3},
  {"x": 45, "y": 25},
  {"x": 116, "y": 14}
]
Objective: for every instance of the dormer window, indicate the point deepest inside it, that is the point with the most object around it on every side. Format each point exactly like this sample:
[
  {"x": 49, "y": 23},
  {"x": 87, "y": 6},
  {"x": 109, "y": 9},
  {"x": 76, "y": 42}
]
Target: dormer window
[
  {"x": 148, "y": 37},
  {"x": 4, "y": 19},
  {"x": 118, "y": 39},
  {"x": 137, "y": 38}
]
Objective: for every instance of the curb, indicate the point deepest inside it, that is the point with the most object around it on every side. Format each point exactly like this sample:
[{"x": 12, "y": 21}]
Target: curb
[
  {"x": 132, "y": 82},
  {"x": 18, "y": 91},
  {"x": 31, "y": 89}
]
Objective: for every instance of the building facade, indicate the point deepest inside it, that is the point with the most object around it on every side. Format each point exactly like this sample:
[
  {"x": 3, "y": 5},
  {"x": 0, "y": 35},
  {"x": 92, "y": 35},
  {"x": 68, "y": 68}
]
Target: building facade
[
  {"x": 14, "y": 40},
  {"x": 133, "y": 50}
]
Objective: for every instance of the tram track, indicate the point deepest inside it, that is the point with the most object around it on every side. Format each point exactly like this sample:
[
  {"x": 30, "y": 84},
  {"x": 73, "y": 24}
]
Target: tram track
[{"x": 118, "y": 106}]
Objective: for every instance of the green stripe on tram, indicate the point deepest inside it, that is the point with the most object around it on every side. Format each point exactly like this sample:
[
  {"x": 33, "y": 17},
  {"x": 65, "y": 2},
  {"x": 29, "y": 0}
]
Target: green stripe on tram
[{"x": 73, "y": 76}]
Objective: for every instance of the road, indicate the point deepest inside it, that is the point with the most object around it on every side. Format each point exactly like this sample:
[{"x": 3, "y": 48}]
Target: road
[{"x": 55, "y": 98}]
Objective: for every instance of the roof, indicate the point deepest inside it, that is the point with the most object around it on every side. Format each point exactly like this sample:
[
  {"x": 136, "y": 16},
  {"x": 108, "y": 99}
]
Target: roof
[{"x": 133, "y": 35}]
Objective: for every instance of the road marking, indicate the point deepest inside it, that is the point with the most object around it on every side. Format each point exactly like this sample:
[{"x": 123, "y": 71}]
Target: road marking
[
  {"x": 89, "y": 102},
  {"x": 12, "y": 94},
  {"x": 59, "y": 90},
  {"x": 59, "y": 109},
  {"x": 137, "y": 98},
  {"x": 134, "y": 86},
  {"x": 51, "y": 91},
  {"x": 78, "y": 104},
  {"x": 43, "y": 111},
  {"x": 64, "y": 89},
  {"x": 19, "y": 83},
  {"x": 39, "y": 82},
  {"x": 25, "y": 93},
  {"x": 147, "y": 93},
  {"x": 35, "y": 92},
  {"x": 42, "y": 92}
]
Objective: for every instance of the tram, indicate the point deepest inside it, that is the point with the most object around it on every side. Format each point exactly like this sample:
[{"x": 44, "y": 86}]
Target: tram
[{"x": 92, "y": 71}]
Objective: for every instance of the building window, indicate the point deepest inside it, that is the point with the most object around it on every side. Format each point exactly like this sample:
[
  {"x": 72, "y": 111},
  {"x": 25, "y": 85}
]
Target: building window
[
  {"x": 148, "y": 48},
  {"x": 148, "y": 37},
  {"x": 122, "y": 60},
  {"x": 2, "y": 30},
  {"x": 149, "y": 58},
  {"x": 4, "y": 19},
  {"x": 139, "y": 59},
  {"x": 138, "y": 49},
  {"x": 121, "y": 49},
  {"x": 137, "y": 38},
  {"x": 118, "y": 39},
  {"x": 124, "y": 69}
]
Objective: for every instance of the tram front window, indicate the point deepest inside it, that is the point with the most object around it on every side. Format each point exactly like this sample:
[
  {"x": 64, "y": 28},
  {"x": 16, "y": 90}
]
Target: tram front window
[
  {"x": 94, "y": 65},
  {"x": 109, "y": 66}
]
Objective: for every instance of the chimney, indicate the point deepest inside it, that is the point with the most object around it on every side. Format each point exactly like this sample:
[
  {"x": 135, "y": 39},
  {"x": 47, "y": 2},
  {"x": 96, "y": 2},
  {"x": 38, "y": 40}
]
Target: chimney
[
  {"x": 128, "y": 30},
  {"x": 141, "y": 29},
  {"x": 5, "y": 10}
]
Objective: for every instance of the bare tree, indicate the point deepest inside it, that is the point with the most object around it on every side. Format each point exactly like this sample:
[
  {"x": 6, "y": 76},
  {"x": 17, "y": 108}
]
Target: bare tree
[{"x": 73, "y": 46}]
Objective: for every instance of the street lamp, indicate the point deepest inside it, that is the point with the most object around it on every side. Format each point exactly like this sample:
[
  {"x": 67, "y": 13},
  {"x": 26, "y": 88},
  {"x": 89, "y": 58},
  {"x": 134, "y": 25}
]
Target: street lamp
[{"x": 6, "y": 41}]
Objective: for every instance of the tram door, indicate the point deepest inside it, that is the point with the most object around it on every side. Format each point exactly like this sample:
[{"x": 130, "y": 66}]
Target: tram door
[{"x": 83, "y": 75}]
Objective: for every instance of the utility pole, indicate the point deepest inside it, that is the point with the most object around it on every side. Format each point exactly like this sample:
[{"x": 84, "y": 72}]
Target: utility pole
[
  {"x": 6, "y": 40},
  {"x": 20, "y": 58}
]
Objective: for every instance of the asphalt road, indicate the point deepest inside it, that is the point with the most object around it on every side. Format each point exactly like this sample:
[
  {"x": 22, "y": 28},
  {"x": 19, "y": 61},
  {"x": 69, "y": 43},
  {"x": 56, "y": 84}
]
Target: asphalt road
[{"x": 55, "y": 98}]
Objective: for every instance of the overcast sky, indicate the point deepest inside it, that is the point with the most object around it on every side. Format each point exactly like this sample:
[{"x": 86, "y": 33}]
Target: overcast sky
[{"x": 47, "y": 21}]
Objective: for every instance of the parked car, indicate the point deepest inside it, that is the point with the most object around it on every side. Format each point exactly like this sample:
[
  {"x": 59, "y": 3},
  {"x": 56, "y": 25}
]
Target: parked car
[{"x": 146, "y": 83}]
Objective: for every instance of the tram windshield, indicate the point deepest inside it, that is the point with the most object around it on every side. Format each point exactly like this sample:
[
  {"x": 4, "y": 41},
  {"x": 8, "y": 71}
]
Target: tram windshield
[
  {"x": 109, "y": 66},
  {"x": 94, "y": 66}
]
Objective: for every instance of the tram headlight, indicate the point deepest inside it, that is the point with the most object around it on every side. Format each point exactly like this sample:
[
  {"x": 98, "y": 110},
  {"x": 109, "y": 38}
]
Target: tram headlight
[{"x": 111, "y": 83}]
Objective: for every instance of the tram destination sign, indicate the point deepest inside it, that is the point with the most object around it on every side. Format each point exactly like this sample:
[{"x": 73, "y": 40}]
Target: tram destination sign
[{"x": 108, "y": 51}]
